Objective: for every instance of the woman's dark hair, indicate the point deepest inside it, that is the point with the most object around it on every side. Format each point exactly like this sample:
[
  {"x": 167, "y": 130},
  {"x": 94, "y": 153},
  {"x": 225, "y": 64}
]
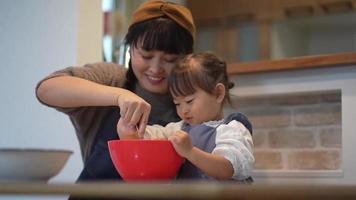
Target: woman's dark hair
[
  {"x": 199, "y": 70},
  {"x": 161, "y": 34}
]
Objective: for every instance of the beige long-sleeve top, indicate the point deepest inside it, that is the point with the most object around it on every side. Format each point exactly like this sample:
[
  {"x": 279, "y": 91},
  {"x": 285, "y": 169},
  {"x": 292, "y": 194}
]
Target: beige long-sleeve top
[{"x": 87, "y": 120}]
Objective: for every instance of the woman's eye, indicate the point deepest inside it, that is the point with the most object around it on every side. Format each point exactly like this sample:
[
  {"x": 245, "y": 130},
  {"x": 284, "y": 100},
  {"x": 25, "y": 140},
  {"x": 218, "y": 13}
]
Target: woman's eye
[
  {"x": 176, "y": 104},
  {"x": 172, "y": 60},
  {"x": 146, "y": 57}
]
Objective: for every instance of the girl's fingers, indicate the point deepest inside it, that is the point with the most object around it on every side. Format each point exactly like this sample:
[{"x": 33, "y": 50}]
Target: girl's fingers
[{"x": 174, "y": 139}]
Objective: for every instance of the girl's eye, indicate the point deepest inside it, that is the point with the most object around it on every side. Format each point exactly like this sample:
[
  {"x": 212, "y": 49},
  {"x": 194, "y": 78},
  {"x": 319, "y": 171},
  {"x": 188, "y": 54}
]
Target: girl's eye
[
  {"x": 189, "y": 101},
  {"x": 176, "y": 104}
]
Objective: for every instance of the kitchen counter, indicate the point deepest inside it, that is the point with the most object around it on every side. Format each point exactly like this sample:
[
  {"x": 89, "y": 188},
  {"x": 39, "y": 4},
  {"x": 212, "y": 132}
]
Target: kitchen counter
[{"x": 182, "y": 190}]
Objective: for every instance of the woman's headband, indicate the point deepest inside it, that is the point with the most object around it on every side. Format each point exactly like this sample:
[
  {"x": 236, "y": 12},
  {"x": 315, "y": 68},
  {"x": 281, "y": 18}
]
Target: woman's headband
[{"x": 154, "y": 9}]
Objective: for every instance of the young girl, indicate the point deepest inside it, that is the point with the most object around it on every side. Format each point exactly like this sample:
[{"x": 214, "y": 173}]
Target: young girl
[{"x": 215, "y": 147}]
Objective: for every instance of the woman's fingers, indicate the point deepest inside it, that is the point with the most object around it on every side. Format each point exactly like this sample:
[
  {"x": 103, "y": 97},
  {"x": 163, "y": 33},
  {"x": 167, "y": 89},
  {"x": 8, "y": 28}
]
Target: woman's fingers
[
  {"x": 143, "y": 123},
  {"x": 130, "y": 110},
  {"x": 135, "y": 112},
  {"x": 125, "y": 131},
  {"x": 134, "y": 109},
  {"x": 123, "y": 110},
  {"x": 143, "y": 119}
]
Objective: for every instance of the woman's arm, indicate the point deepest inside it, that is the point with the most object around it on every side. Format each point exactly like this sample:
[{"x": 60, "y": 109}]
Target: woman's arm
[
  {"x": 211, "y": 164},
  {"x": 68, "y": 91}
]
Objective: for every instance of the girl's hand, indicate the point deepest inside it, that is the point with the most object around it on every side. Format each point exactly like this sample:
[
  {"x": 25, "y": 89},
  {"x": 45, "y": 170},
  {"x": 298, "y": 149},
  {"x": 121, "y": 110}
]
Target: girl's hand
[
  {"x": 182, "y": 143},
  {"x": 125, "y": 131},
  {"x": 134, "y": 111}
]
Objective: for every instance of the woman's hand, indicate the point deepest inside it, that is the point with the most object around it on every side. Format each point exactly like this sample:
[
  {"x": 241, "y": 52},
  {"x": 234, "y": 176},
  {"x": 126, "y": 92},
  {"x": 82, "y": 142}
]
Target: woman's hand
[
  {"x": 134, "y": 111},
  {"x": 125, "y": 131},
  {"x": 182, "y": 143}
]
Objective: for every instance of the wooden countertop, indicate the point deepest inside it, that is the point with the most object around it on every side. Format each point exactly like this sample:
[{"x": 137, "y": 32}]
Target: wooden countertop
[
  {"x": 183, "y": 190},
  {"x": 292, "y": 63}
]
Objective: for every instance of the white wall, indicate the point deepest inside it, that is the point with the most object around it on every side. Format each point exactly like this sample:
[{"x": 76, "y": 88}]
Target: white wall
[{"x": 36, "y": 38}]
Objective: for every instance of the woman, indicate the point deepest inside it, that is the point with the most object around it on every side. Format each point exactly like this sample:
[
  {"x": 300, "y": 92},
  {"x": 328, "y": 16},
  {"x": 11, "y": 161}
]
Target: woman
[{"x": 96, "y": 95}]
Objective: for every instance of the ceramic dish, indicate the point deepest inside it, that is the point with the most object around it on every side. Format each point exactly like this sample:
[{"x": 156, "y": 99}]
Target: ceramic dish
[{"x": 31, "y": 164}]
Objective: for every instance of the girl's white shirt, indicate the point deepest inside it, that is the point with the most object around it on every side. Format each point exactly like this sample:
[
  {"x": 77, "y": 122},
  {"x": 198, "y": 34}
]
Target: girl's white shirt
[{"x": 233, "y": 142}]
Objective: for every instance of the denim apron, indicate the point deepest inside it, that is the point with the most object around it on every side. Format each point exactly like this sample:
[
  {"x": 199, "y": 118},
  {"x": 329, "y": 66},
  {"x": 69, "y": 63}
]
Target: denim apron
[
  {"x": 203, "y": 137},
  {"x": 100, "y": 167}
]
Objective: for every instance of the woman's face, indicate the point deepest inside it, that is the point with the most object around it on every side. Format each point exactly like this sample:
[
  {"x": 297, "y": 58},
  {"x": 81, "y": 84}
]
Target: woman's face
[{"x": 152, "y": 68}]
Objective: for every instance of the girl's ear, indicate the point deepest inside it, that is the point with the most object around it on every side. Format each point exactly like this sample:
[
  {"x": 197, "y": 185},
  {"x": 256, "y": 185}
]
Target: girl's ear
[{"x": 220, "y": 92}]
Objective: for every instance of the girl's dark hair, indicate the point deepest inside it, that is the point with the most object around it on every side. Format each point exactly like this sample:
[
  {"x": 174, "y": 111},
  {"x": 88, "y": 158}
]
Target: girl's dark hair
[
  {"x": 199, "y": 70},
  {"x": 161, "y": 34}
]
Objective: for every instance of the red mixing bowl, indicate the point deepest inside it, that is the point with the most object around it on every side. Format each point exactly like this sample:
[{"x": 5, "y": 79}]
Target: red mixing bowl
[{"x": 145, "y": 160}]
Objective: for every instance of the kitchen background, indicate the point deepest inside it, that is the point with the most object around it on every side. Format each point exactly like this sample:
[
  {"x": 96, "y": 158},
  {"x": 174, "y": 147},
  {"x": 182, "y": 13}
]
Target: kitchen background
[{"x": 295, "y": 132}]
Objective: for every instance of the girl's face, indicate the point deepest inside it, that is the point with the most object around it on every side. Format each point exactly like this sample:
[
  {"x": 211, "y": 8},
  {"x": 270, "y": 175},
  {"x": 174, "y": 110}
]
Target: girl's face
[
  {"x": 199, "y": 107},
  {"x": 152, "y": 68}
]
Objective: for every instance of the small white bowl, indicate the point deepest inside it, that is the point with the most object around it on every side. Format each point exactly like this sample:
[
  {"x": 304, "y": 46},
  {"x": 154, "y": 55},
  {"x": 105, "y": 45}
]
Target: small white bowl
[{"x": 31, "y": 164}]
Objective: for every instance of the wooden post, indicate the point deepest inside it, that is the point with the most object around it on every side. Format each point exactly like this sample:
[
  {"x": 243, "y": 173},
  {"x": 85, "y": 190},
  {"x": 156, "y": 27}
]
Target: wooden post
[
  {"x": 264, "y": 39},
  {"x": 226, "y": 43}
]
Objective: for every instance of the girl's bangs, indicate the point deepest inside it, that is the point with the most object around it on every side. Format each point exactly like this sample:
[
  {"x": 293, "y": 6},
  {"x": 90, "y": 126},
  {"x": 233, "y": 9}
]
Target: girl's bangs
[{"x": 181, "y": 84}]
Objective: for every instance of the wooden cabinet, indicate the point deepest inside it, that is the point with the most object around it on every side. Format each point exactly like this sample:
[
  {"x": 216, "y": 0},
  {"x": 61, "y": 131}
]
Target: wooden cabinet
[
  {"x": 225, "y": 16},
  {"x": 213, "y": 12}
]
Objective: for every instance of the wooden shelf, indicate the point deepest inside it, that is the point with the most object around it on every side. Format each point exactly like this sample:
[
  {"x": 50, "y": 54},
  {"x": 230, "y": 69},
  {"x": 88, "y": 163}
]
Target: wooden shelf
[{"x": 292, "y": 63}]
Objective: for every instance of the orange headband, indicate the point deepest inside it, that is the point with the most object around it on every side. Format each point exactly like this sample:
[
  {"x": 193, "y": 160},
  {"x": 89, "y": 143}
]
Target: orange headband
[{"x": 154, "y": 9}]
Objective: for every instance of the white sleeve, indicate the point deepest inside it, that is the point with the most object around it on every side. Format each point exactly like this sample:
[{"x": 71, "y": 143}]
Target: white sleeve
[
  {"x": 162, "y": 132},
  {"x": 234, "y": 142}
]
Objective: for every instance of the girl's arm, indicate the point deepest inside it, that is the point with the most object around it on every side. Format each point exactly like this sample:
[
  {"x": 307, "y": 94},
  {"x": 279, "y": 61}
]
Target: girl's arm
[
  {"x": 211, "y": 164},
  {"x": 152, "y": 132},
  {"x": 231, "y": 158},
  {"x": 162, "y": 132},
  {"x": 234, "y": 143}
]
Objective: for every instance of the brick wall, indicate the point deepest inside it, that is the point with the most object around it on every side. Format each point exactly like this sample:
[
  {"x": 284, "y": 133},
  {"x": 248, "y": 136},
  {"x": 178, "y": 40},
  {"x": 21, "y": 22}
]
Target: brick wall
[{"x": 295, "y": 131}]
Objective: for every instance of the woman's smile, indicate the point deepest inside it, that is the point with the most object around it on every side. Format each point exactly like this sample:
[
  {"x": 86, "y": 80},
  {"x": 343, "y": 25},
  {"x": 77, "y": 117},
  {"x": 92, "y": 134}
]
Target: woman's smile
[{"x": 154, "y": 80}]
